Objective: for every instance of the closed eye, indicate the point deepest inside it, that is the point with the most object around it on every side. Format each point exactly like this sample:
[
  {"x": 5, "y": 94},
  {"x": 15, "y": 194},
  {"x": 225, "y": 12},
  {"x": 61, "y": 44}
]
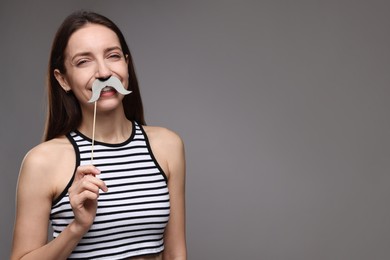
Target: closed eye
[
  {"x": 115, "y": 56},
  {"x": 81, "y": 62}
]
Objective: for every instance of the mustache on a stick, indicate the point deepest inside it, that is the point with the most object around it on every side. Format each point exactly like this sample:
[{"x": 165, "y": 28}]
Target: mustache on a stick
[{"x": 113, "y": 82}]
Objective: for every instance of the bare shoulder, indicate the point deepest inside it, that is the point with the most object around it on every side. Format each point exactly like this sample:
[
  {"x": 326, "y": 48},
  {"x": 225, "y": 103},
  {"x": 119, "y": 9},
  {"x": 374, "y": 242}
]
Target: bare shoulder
[
  {"x": 45, "y": 164},
  {"x": 47, "y": 154},
  {"x": 164, "y": 136},
  {"x": 167, "y": 146}
]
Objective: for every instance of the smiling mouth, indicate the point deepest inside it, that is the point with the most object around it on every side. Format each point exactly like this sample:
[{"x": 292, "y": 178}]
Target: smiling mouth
[
  {"x": 112, "y": 85},
  {"x": 106, "y": 89}
]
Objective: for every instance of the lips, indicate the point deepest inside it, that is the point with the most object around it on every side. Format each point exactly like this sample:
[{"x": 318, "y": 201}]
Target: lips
[
  {"x": 107, "y": 91},
  {"x": 108, "y": 88}
]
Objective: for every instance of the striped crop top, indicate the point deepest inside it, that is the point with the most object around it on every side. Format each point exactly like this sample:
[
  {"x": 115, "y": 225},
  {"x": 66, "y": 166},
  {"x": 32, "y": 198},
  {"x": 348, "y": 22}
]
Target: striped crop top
[{"x": 131, "y": 217}]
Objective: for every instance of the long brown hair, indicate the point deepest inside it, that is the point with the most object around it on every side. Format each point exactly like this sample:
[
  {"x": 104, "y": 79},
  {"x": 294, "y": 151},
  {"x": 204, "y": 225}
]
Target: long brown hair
[{"x": 64, "y": 113}]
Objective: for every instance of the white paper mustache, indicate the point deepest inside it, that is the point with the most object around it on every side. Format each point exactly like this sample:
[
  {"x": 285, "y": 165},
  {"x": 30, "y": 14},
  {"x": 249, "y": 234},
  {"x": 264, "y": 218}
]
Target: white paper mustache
[{"x": 113, "y": 82}]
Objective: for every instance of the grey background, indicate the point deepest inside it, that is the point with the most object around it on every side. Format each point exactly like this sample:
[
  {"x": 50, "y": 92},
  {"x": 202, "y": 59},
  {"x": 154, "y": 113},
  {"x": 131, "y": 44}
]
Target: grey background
[{"x": 283, "y": 106}]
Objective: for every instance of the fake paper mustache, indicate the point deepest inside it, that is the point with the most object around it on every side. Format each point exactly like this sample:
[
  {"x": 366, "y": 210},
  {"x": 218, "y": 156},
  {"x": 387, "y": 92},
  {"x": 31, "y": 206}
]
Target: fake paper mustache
[{"x": 98, "y": 85}]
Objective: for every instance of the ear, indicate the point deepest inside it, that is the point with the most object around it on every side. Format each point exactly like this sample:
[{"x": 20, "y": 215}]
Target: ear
[
  {"x": 127, "y": 59},
  {"x": 62, "y": 80}
]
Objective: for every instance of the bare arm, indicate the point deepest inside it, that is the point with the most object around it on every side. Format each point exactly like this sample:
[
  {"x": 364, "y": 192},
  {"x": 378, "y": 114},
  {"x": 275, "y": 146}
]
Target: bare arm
[
  {"x": 174, "y": 237},
  {"x": 168, "y": 149},
  {"x": 36, "y": 186}
]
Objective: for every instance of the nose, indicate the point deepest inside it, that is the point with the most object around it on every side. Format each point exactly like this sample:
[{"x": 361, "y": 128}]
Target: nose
[{"x": 103, "y": 71}]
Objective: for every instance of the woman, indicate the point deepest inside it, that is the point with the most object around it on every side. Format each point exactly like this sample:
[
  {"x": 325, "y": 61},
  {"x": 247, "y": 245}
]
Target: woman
[{"x": 128, "y": 203}]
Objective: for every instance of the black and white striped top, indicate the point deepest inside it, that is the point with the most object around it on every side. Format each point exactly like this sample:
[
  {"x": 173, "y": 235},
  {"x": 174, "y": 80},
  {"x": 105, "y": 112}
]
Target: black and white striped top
[{"x": 132, "y": 215}]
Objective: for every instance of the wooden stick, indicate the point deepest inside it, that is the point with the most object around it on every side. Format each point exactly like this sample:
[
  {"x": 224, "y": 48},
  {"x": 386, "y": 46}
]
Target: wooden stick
[{"x": 93, "y": 131}]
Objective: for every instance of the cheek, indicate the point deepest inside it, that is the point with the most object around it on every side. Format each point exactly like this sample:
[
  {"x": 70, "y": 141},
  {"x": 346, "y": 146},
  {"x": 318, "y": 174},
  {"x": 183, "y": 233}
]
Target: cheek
[
  {"x": 122, "y": 69},
  {"x": 80, "y": 79},
  {"x": 125, "y": 83},
  {"x": 124, "y": 74},
  {"x": 76, "y": 84}
]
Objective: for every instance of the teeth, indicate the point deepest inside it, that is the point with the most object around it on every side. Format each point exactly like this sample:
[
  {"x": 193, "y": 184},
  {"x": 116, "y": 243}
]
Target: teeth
[{"x": 107, "y": 89}]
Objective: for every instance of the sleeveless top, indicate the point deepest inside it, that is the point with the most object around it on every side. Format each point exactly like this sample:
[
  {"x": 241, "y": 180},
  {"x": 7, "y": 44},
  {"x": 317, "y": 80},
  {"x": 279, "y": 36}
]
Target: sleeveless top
[{"x": 131, "y": 217}]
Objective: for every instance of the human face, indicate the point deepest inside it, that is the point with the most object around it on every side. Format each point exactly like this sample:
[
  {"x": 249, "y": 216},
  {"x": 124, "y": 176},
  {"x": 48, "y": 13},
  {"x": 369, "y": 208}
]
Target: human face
[{"x": 92, "y": 52}]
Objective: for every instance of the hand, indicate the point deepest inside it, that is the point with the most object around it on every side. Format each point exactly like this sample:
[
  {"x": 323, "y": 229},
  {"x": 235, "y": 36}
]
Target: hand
[{"x": 83, "y": 195}]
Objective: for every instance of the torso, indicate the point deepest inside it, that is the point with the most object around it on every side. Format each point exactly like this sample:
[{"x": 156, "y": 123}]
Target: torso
[
  {"x": 62, "y": 158},
  {"x": 66, "y": 166}
]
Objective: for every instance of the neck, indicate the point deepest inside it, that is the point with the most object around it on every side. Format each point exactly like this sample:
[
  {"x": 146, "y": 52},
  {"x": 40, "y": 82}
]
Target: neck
[{"x": 110, "y": 127}]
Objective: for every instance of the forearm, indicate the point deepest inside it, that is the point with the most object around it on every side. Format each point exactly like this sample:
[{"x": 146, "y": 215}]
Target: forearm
[{"x": 57, "y": 249}]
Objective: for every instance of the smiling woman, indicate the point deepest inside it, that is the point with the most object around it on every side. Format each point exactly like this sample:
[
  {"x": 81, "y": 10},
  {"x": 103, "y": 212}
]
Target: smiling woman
[{"x": 130, "y": 202}]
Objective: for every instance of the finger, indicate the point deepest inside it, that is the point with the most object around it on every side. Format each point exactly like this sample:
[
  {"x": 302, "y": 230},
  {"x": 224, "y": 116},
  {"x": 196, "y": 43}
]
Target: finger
[
  {"x": 79, "y": 199},
  {"x": 83, "y": 190},
  {"x": 93, "y": 183},
  {"x": 88, "y": 182},
  {"x": 81, "y": 171}
]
